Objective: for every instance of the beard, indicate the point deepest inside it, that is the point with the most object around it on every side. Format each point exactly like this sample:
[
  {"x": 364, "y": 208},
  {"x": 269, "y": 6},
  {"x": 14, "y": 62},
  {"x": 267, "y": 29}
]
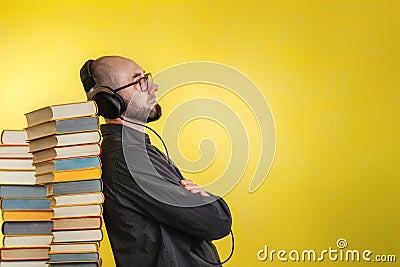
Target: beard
[
  {"x": 155, "y": 113},
  {"x": 144, "y": 114}
]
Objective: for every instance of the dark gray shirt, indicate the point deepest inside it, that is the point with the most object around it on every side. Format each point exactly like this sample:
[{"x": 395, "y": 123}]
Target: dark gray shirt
[{"x": 151, "y": 219}]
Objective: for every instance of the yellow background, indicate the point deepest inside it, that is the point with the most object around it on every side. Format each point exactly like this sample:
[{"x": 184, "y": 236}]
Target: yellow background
[{"x": 328, "y": 69}]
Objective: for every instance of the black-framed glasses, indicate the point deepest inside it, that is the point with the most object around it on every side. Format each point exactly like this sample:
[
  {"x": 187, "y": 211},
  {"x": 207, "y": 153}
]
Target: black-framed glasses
[{"x": 143, "y": 83}]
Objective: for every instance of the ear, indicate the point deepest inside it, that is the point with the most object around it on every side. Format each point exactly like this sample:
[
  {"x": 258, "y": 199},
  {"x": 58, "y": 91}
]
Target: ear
[{"x": 110, "y": 104}]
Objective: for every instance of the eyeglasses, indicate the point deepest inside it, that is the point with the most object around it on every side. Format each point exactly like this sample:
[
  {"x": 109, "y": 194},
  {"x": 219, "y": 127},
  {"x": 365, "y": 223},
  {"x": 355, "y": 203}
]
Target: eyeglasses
[{"x": 143, "y": 83}]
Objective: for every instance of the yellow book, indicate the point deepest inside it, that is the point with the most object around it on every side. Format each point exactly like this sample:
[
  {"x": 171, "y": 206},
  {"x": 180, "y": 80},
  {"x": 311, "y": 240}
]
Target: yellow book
[
  {"x": 27, "y": 215},
  {"x": 67, "y": 176},
  {"x": 12, "y": 241}
]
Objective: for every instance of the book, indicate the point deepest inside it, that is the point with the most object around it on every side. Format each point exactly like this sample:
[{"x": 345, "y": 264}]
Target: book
[
  {"x": 14, "y": 137},
  {"x": 68, "y": 164},
  {"x": 66, "y": 176},
  {"x": 74, "y": 247},
  {"x": 76, "y": 211},
  {"x": 27, "y": 240},
  {"x": 74, "y": 257},
  {"x": 27, "y": 228},
  {"x": 78, "y": 264},
  {"x": 16, "y": 164},
  {"x": 27, "y": 215},
  {"x": 21, "y": 263},
  {"x": 17, "y": 178},
  {"x": 77, "y": 199},
  {"x": 27, "y": 191},
  {"x": 62, "y": 127},
  {"x": 15, "y": 151},
  {"x": 75, "y": 223},
  {"x": 77, "y": 236},
  {"x": 75, "y": 187},
  {"x": 62, "y": 111},
  {"x": 22, "y": 253},
  {"x": 64, "y": 140},
  {"x": 25, "y": 204},
  {"x": 66, "y": 152}
]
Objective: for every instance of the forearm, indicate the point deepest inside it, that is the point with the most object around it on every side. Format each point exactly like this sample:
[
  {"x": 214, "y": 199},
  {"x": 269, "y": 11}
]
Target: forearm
[
  {"x": 154, "y": 188},
  {"x": 208, "y": 221}
]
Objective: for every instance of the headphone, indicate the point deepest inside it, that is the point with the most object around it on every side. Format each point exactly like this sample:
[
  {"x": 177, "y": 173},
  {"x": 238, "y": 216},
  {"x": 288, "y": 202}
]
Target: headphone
[{"x": 110, "y": 104}]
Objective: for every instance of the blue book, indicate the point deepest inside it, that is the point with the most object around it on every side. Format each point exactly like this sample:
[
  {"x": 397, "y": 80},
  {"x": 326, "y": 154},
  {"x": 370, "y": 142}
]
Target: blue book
[
  {"x": 68, "y": 257},
  {"x": 67, "y": 164},
  {"x": 75, "y": 187},
  {"x": 62, "y": 126},
  {"x": 23, "y": 191},
  {"x": 27, "y": 228},
  {"x": 25, "y": 204},
  {"x": 78, "y": 264}
]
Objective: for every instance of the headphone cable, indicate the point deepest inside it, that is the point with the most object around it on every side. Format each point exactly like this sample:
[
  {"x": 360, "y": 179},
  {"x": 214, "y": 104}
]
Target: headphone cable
[
  {"x": 159, "y": 137},
  {"x": 229, "y": 257},
  {"x": 169, "y": 161}
]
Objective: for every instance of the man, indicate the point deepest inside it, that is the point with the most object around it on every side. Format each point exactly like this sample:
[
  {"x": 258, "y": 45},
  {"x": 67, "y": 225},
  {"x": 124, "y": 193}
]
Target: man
[{"x": 153, "y": 216}]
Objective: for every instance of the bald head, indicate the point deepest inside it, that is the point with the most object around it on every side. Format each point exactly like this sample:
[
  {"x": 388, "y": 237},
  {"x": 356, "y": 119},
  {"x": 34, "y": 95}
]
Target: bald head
[
  {"x": 114, "y": 71},
  {"x": 131, "y": 89}
]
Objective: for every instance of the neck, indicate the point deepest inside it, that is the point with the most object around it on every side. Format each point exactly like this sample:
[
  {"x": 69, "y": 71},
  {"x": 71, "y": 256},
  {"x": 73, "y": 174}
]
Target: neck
[{"x": 127, "y": 122}]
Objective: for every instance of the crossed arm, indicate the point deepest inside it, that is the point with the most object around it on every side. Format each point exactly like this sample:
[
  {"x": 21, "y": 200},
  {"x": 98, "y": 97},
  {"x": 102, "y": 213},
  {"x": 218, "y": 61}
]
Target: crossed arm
[{"x": 194, "y": 188}]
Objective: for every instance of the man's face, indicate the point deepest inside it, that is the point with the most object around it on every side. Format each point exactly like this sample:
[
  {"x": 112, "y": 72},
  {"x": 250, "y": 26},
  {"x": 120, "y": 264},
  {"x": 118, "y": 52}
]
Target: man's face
[{"x": 140, "y": 98}]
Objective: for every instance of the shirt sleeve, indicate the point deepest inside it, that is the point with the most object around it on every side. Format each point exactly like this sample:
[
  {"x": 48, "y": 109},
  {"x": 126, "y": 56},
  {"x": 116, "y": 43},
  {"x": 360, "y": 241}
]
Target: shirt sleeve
[{"x": 145, "y": 182}]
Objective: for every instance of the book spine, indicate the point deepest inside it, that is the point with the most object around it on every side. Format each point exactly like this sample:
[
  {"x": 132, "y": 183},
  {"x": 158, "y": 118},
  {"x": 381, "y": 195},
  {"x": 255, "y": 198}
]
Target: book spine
[
  {"x": 71, "y": 172},
  {"x": 25, "y": 204}
]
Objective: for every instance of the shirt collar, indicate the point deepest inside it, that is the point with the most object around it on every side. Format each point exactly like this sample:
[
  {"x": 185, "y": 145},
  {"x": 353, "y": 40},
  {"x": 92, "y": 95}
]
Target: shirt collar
[{"x": 116, "y": 130}]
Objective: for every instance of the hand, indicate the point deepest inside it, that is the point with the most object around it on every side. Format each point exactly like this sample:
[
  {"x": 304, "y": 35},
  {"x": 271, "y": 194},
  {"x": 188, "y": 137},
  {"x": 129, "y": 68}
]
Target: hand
[{"x": 194, "y": 188}]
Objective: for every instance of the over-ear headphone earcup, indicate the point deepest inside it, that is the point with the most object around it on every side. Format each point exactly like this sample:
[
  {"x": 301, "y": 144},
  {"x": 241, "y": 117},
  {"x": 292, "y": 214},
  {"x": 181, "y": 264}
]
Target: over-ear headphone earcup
[
  {"x": 86, "y": 76},
  {"x": 110, "y": 104}
]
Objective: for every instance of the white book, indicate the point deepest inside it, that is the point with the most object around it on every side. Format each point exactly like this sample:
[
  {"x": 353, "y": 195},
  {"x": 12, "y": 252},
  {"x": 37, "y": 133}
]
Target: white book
[
  {"x": 16, "y": 164},
  {"x": 14, "y": 151},
  {"x": 14, "y": 137},
  {"x": 64, "y": 140},
  {"x": 18, "y": 177},
  {"x": 27, "y": 240},
  {"x": 81, "y": 199},
  {"x": 81, "y": 247},
  {"x": 66, "y": 152},
  {"x": 24, "y": 264},
  {"x": 77, "y": 236},
  {"x": 77, "y": 211},
  {"x": 63, "y": 111}
]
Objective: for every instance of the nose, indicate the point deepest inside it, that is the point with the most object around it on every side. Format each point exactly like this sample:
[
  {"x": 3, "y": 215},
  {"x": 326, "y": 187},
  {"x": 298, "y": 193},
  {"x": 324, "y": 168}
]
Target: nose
[{"x": 153, "y": 87}]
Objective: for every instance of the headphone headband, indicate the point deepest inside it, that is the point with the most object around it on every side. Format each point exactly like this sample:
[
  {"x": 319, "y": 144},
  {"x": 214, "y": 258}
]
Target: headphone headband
[
  {"x": 110, "y": 104},
  {"x": 86, "y": 76}
]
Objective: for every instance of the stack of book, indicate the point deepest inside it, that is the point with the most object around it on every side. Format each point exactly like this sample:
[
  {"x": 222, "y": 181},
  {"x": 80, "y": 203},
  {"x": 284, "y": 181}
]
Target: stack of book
[
  {"x": 64, "y": 142},
  {"x": 25, "y": 210}
]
